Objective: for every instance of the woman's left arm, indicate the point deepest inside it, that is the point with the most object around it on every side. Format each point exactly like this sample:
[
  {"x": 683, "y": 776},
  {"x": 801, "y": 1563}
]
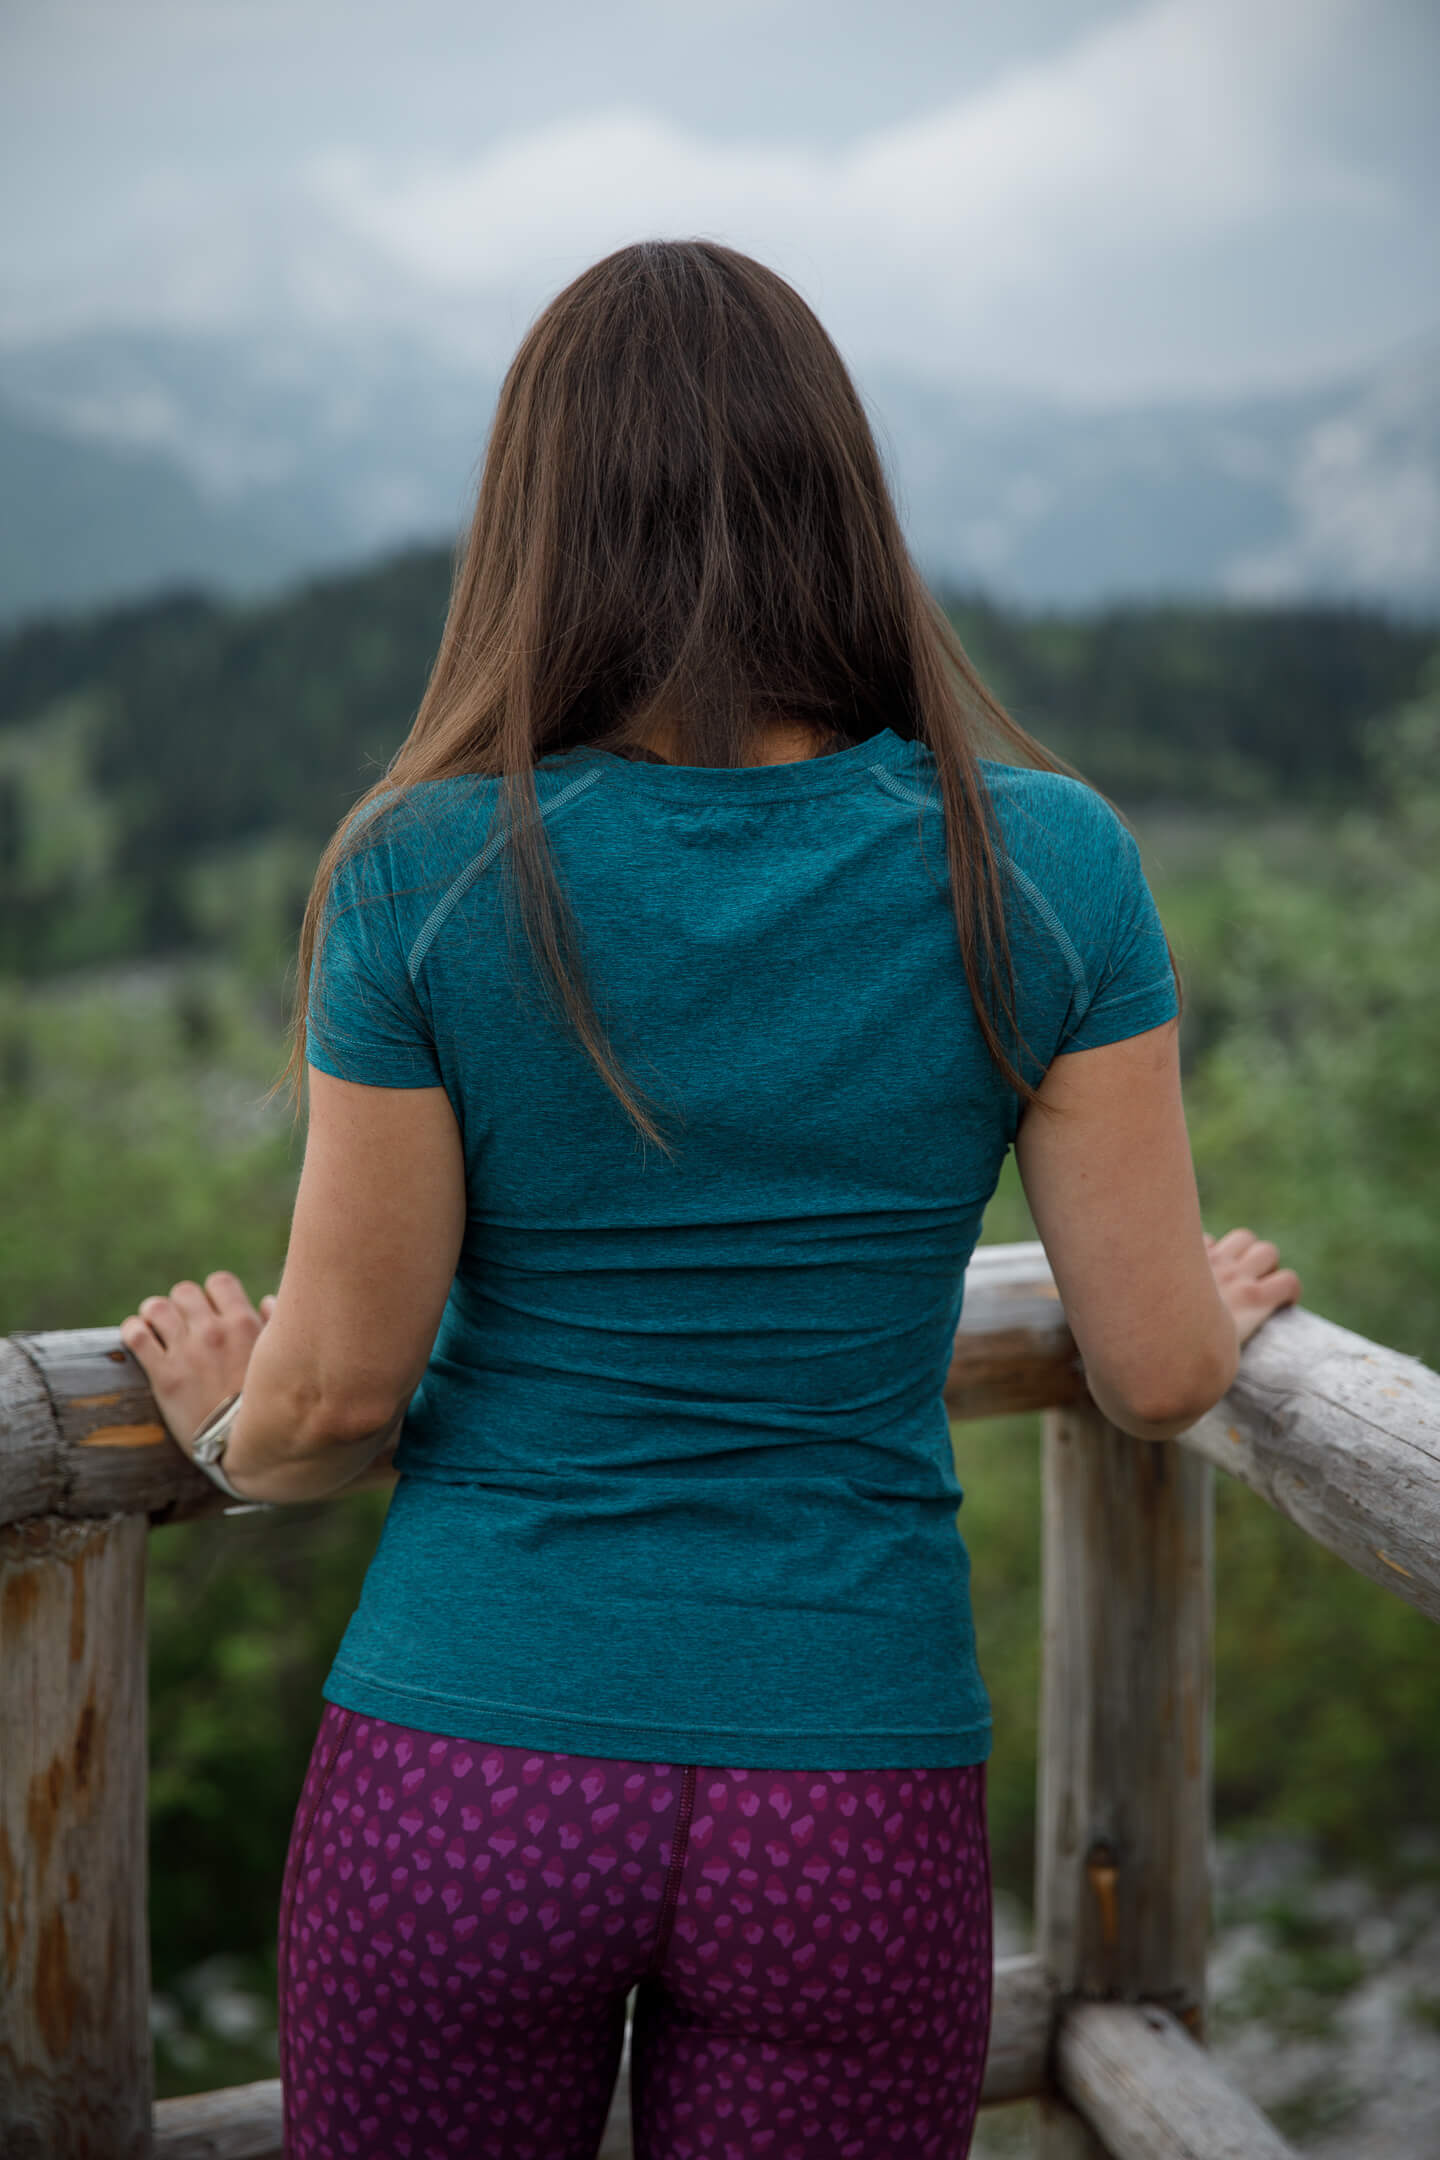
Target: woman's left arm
[{"x": 329, "y": 1364}]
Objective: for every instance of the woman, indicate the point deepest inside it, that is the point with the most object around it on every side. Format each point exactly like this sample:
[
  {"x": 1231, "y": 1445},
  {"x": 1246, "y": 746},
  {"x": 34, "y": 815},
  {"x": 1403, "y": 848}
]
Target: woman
[{"x": 673, "y": 1005}]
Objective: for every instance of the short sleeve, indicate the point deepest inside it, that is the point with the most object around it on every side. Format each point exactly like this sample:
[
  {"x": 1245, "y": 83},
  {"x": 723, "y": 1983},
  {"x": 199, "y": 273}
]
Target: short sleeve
[
  {"x": 1091, "y": 962},
  {"x": 364, "y": 1020},
  {"x": 1132, "y": 987}
]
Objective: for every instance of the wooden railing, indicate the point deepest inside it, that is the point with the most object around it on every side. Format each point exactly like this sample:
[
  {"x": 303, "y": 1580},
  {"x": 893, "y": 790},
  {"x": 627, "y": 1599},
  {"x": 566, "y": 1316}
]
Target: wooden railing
[{"x": 1102, "y": 2025}]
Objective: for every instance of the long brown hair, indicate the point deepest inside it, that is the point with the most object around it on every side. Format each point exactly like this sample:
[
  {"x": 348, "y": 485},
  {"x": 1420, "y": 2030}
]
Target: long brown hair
[{"x": 683, "y": 520}]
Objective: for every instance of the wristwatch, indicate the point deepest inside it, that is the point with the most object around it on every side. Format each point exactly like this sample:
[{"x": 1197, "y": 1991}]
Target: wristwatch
[{"x": 207, "y": 1449}]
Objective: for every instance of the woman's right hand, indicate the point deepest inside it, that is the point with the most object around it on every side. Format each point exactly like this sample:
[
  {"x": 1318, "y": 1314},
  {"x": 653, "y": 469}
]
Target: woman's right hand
[{"x": 1249, "y": 1282}]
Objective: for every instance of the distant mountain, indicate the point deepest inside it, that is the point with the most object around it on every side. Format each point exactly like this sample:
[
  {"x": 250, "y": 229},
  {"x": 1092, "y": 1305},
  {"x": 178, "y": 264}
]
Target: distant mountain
[
  {"x": 303, "y": 454},
  {"x": 127, "y": 459},
  {"x": 87, "y": 521},
  {"x": 1327, "y": 495}
]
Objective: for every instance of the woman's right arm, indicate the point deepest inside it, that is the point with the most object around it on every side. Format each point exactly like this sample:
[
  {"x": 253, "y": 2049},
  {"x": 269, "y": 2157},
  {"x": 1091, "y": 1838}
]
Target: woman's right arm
[{"x": 1158, "y": 1310}]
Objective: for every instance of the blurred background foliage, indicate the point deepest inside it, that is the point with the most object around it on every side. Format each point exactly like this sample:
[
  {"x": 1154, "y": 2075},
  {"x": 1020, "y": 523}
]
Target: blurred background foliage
[{"x": 167, "y": 776}]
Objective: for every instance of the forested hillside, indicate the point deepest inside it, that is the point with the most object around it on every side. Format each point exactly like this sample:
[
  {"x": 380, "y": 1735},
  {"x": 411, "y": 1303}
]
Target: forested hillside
[{"x": 162, "y": 765}]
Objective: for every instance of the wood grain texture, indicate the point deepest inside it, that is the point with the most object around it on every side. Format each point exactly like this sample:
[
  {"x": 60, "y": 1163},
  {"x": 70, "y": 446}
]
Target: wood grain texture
[
  {"x": 1022, "y": 2029},
  {"x": 1123, "y": 1831},
  {"x": 1060, "y": 2134},
  {"x": 75, "y": 2078},
  {"x": 1342, "y": 1436},
  {"x": 80, "y": 1436},
  {"x": 1152, "y": 2094},
  {"x": 31, "y": 1466},
  {"x": 1013, "y": 1350},
  {"x": 244, "y": 2123}
]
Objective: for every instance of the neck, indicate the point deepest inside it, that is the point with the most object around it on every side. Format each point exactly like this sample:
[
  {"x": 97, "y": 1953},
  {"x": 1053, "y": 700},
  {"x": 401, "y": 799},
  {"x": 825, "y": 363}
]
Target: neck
[{"x": 783, "y": 743}]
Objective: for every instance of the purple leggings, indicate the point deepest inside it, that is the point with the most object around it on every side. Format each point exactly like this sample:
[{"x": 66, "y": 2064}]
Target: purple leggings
[{"x": 461, "y": 1924}]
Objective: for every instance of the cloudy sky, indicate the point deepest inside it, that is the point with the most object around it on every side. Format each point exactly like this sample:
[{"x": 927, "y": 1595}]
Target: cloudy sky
[{"x": 1101, "y": 200}]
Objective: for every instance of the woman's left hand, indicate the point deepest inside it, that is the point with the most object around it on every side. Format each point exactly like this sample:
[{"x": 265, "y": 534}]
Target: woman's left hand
[{"x": 194, "y": 1347}]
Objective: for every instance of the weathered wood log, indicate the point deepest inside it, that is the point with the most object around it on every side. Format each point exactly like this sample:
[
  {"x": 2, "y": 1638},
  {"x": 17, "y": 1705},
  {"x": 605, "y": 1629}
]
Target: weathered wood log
[
  {"x": 1124, "y": 1802},
  {"x": 1013, "y": 1350},
  {"x": 1342, "y": 1436},
  {"x": 241, "y": 2122},
  {"x": 75, "y": 2079},
  {"x": 1337, "y": 1432},
  {"x": 1060, "y": 2134},
  {"x": 1022, "y": 2031},
  {"x": 244, "y": 2123},
  {"x": 108, "y": 1453},
  {"x": 80, "y": 1435},
  {"x": 1123, "y": 1835},
  {"x": 1139, "y": 2079},
  {"x": 32, "y": 1476}
]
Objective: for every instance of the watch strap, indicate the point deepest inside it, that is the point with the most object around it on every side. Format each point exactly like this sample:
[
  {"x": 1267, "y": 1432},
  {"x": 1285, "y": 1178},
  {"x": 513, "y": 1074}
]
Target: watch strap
[{"x": 207, "y": 1447}]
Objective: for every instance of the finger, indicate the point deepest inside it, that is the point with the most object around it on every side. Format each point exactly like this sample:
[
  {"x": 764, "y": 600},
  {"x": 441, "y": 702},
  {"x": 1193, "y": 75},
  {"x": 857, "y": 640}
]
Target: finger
[
  {"x": 204, "y": 1326},
  {"x": 1266, "y": 1293},
  {"x": 1259, "y": 1258},
  {"x": 139, "y": 1337},
  {"x": 267, "y": 1305},
  {"x": 164, "y": 1318},
  {"x": 227, "y": 1293},
  {"x": 191, "y": 1301},
  {"x": 1233, "y": 1243}
]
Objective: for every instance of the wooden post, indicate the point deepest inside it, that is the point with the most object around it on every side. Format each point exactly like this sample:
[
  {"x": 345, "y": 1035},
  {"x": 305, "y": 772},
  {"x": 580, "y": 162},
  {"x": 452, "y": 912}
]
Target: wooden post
[
  {"x": 75, "y": 2061},
  {"x": 1123, "y": 1845}
]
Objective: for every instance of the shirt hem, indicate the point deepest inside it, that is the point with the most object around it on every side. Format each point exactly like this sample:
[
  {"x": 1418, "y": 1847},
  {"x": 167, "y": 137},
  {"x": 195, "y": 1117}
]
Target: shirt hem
[
  {"x": 750, "y": 1748},
  {"x": 366, "y": 1072},
  {"x": 1118, "y": 1020}
]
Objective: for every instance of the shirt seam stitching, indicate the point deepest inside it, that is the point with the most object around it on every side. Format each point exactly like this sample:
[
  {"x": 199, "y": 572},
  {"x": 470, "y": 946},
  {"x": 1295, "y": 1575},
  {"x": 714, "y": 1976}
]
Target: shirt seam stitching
[
  {"x": 1078, "y": 979},
  {"x": 478, "y": 864},
  {"x": 923, "y": 799},
  {"x": 920, "y": 799}
]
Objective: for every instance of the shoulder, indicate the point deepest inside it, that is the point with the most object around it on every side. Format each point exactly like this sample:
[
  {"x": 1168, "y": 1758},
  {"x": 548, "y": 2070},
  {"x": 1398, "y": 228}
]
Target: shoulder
[
  {"x": 1029, "y": 803},
  {"x": 1033, "y": 809},
  {"x": 1059, "y": 831},
  {"x": 412, "y": 840},
  {"x": 408, "y": 827},
  {"x": 1055, "y": 832},
  {"x": 400, "y": 851},
  {"x": 411, "y": 854},
  {"x": 439, "y": 819}
]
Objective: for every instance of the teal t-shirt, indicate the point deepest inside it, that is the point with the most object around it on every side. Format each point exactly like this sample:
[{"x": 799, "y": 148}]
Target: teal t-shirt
[{"x": 677, "y": 1484}]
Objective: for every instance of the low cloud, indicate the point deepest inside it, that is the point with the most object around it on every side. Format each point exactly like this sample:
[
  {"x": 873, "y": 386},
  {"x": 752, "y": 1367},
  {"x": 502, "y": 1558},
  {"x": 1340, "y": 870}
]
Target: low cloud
[
  {"x": 1198, "y": 197},
  {"x": 1131, "y": 217}
]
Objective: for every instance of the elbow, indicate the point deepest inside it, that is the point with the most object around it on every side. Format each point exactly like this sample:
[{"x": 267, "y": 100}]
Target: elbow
[
  {"x": 327, "y": 1420},
  {"x": 347, "y": 1424},
  {"x": 1166, "y": 1403}
]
